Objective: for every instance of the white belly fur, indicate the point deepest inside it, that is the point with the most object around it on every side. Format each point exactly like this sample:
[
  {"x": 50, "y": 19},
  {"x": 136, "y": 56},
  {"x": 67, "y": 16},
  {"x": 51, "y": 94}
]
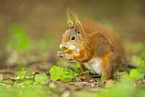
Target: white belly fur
[{"x": 94, "y": 65}]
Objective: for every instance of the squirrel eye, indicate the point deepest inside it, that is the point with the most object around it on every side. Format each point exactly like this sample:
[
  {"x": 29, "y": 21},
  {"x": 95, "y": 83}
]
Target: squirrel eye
[
  {"x": 73, "y": 38},
  {"x": 79, "y": 32}
]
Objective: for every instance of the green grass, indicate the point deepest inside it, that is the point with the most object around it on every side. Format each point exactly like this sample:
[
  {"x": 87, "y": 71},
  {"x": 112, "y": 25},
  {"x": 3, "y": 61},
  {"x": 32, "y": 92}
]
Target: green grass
[
  {"x": 26, "y": 84},
  {"x": 38, "y": 85}
]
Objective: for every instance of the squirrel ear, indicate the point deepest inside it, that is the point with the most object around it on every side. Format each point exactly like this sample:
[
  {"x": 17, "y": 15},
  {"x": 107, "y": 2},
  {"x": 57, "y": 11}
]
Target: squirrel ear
[
  {"x": 69, "y": 22},
  {"x": 78, "y": 27},
  {"x": 78, "y": 23},
  {"x": 76, "y": 18}
]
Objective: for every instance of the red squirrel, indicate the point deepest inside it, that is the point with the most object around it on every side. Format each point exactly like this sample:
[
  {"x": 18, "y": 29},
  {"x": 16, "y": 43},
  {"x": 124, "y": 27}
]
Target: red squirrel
[{"x": 92, "y": 45}]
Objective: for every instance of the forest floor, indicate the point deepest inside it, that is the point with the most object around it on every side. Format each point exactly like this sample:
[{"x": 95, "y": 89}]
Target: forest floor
[{"x": 28, "y": 74}]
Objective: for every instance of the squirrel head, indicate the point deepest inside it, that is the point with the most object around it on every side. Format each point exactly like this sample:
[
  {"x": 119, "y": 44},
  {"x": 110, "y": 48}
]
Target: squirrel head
[{"x": 73, "y": 36}]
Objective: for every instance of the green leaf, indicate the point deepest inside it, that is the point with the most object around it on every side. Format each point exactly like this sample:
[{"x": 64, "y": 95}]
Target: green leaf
[
  {"x": 76, "y": 68},
  {"x": 64, "y": 68},
  {"x": 136, "y": 74},
  {"x": 87, "y": 72},
  {"x": 22, "y": 74},
  {"x": 22, "y": 69},
  {"x": 126, "y": 77},
  {"x": 61, "y": 73},
  {"x": 55, "y": 72},
  {"x": 69, "y": 69},
  {"x": 67, "y": 77},
  {"x": 41, "y": 78},
  {"x": 115, "y": 75}
]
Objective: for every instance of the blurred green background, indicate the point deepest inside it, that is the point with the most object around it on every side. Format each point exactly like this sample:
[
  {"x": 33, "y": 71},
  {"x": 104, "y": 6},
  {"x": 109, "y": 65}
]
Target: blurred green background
[
  {"x": 30, "y": 35},
  {"x": 30, "y": 30}
]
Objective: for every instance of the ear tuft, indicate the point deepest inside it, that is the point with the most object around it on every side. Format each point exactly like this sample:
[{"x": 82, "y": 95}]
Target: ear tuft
[{"x": 69, "y": 22}]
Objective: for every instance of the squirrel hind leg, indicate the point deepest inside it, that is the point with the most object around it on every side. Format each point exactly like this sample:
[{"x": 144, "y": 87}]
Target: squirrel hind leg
[
  {"x": 108, "y": 65},
  {"x": 82, "y": 67}
]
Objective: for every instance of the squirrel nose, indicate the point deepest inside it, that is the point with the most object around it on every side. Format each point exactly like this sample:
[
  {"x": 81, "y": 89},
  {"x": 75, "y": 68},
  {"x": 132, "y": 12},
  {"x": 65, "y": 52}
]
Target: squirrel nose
[{"x": 64, "y": 47}]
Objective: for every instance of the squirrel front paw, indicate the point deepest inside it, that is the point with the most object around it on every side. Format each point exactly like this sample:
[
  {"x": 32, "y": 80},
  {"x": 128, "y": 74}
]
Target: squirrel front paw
[
  {"x": 71, "y": 57},
  {"x": 60, "y": 54},
  {"x": 63, "y": 54}
]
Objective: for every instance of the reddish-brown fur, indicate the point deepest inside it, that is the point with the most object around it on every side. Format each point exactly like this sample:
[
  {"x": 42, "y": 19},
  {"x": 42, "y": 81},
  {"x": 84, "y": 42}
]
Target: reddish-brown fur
[
  {"x": 97, "y": 45},
  {"x": 97, "y": 41}
]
